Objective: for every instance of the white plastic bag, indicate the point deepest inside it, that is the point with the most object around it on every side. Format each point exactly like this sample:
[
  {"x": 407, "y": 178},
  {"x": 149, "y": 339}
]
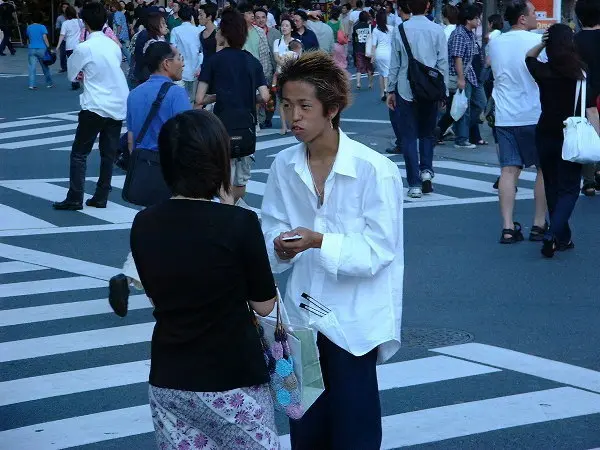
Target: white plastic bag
[
  {"x": 581, "y": 141},
  {"x": 460, "y": 103}
]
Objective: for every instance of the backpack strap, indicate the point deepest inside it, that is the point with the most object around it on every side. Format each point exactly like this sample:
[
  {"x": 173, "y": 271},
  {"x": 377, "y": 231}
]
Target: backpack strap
[
  {"x": 153, "y": 111},
  {"x": 405, "y": 41}
]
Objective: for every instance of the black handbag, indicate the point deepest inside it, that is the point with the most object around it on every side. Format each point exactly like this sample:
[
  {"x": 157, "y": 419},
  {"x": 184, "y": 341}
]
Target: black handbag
[
  {"x": 426, "y": 83},
  {"x": 144, "y": 182}
]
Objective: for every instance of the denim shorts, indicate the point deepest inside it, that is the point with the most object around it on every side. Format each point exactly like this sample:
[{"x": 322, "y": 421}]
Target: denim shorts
[
  {"x": 516, "y": 146},
  {"x": 241, "y": 169}
]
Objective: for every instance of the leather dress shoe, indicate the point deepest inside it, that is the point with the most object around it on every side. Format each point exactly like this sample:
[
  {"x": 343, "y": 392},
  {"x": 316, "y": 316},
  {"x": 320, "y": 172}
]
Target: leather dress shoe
[
  {"x": 96, "y": 203},
  {"x": 393, "y": 151},
  {"x": 67, "y": 205},
  {"x": 118, "y": 294}
]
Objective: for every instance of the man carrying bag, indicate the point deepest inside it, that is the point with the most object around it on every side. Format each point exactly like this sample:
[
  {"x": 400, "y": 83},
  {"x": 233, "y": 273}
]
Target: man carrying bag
[{"x": 144, "y": 184}]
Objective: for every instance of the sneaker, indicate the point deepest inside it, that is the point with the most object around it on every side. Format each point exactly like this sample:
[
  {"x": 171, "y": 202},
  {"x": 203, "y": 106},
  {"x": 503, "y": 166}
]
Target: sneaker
[
  {"x": 32, "y": 88},
  {"x": 466, "y": 145},
  {"x": 50, "y": 86},
  {"x": 427, "y": 186},
  {"x": 415, "y": 192}
]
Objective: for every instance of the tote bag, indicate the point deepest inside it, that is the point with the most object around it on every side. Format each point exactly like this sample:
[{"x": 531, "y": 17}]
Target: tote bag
[
  {"x": 581, "y": 141},
  {"x": 369, "y": 44}
]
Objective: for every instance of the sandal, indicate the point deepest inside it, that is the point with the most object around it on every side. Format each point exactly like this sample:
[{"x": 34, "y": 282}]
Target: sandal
[
  {"x": 589, "y": 189},
  {"x": 515, "y": 235},
  {"x": 549, "y": 248},
  {"x": 537, "y": 233}
]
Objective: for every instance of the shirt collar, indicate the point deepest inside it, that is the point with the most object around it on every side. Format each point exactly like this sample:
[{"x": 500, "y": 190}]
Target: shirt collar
[
  {"x": 344, "y": 160},
  {"x": 155, "y": 77}
]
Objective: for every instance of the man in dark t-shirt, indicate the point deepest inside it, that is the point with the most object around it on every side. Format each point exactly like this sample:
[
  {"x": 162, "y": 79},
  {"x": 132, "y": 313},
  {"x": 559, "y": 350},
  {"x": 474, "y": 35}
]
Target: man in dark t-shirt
[
  {"x": 7, "y": 11},
  {"x": 588, "y": 45},
  {"x": 233, "y": 76}
]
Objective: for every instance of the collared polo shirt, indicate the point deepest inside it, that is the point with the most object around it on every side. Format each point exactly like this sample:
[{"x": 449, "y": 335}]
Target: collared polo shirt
[{"x": 140, "y": 102}]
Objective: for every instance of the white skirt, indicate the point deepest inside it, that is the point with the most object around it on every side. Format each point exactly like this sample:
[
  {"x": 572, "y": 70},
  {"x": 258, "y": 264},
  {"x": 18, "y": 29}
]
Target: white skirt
[{"x": 382, "y": 60}]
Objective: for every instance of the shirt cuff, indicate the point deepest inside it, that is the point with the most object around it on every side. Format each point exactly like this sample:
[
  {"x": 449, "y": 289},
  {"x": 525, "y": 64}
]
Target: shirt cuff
[{"x": 331, "y": 251}]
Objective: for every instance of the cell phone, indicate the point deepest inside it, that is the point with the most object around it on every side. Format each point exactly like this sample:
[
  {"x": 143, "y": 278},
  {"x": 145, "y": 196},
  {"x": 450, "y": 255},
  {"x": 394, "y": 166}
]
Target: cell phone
[{"x": 291, "y": 238}]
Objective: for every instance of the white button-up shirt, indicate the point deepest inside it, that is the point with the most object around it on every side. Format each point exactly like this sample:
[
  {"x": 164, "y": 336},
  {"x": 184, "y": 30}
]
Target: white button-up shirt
[
  {"x": 186, "y": 37},
  {"x": 105, "y": 88},
  {"x": 358, "y": 272}
]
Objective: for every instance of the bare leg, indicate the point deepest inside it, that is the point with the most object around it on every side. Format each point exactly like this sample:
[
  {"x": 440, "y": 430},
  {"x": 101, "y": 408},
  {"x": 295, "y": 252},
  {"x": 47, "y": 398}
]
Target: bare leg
[
  {"x": 358, "y": 79},
  {"x": 382, "y": 84},
  {"x": 539, "y": 195},
  {"x": 370, "y": 75},
  {"x": 506, "y": 192},
  {"x": 385, "y": 84}
]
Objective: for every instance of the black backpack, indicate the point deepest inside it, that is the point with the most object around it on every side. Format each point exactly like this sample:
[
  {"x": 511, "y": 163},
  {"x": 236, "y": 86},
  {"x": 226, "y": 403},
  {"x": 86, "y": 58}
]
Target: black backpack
[
  {"x": 426, "y": 83},
  {"x": 240, "y": 125}
]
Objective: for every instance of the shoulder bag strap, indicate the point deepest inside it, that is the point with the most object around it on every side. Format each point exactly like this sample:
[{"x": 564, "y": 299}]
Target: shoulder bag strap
[
  {"x": 405, "y": 41},
  {"x": 583, "y": 94},
  {"x": 153, "y": 111}
]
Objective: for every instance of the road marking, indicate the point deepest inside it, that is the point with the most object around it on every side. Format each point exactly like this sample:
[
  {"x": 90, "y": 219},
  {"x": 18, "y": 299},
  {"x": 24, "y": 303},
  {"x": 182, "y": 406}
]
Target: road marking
[
  {"x": 37, "y": 130},
  {"x": 74, "y": 342},
  {"x": 61, "y": 230},
  {"x": 42, "y": 141},
  {"x": 466, "y": 419},
  {"x": 52, "y": 261},
  {"x": 82, "y": 430},
  {"x": 468, "y": 184},
  {"x": 26, "y": 123},
  {"x": 18, "y": 267},
  {"x": 48, "y": 286},
  {"x": 14, "y": 219},
  {"x": 67, "y": 115},
  {"x": 69, "y": 310},
  {"x": 276, "y": 143},
  {"x": 413, "y": 373},
  {"x": 461, "y": 201},
  {"x": 524, "y": 363},
  {"x": 474, "y": 168},
  {"x": 113, "y": 212},
  {"x": 426, "y": 370}
]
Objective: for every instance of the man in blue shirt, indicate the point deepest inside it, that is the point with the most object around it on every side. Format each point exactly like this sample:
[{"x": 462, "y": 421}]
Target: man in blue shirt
[{"x": 166, "y": 65}]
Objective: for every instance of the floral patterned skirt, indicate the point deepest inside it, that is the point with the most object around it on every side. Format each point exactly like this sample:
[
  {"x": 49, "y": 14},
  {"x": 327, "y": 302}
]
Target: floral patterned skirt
[{"x": 237, "y": 419}]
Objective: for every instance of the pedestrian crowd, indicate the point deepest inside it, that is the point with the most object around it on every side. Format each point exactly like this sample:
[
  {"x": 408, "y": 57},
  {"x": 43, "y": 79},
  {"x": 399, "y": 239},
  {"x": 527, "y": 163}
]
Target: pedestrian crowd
[{"x": 201, "y": 84}]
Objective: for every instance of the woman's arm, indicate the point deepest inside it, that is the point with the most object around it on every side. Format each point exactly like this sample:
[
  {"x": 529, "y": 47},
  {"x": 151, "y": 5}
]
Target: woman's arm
[
  {"x": 60, "y": 40},
  {"x": 46, "y": 41},
  {"x": 535, "y": 51}
]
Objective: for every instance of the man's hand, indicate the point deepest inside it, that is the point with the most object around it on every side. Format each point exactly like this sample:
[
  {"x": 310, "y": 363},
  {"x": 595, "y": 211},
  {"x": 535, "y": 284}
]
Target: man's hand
[
  {"x": 286, "y": 250},
  {"x": 391, "y": 101},
  {"x": 461, "y": 84}
]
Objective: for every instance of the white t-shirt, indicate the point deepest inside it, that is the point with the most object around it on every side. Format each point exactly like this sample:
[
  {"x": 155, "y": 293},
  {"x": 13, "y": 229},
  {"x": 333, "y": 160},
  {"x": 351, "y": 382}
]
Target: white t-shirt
[
  {"x": 381, "y": 40},
  {"x": 271, "y": 20},
  {"x": 493, "y": 34},
  {"x": 354, "y": 16},
  {"x": 71, "y": 29},
  {"x": 515, "y": 92},
  {"x": 448, "y": 29}
]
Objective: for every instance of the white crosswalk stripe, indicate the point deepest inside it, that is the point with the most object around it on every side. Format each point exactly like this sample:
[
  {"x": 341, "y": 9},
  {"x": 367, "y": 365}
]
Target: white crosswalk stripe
[
  {"x": 576, "y": 392},
  {"x": 455, "y": 182}
]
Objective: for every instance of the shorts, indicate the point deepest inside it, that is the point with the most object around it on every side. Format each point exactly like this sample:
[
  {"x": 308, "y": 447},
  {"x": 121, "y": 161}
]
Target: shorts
[
  {"x": 516, "y": 146},
  {"x": 240, "y": 170}
]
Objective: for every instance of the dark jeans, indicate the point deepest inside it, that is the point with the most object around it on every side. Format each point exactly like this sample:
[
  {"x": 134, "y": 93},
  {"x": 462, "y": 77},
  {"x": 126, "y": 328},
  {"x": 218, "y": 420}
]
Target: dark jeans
[
  {"x": 63, "y": 56},
  {"x": 89, "y": 127},
  {"x": 413, "y": 121},
  {"x": 561, "y": 180},
  {"x": 6, "y": 43},
  {"x": 74, "y": 84},
  {"x": 348, "y": 414}
]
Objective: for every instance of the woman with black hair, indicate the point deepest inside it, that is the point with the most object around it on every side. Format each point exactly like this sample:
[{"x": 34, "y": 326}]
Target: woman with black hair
[
  {"x": 204, "y": 265},
  {"x": 156, "y": 30},
  {"x": 557, "y": 80},
  {"x": 382, "y": 50}
]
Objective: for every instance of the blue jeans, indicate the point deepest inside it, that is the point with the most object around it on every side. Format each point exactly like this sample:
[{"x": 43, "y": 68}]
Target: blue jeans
[
  {"x": 125, "y": 50},
  {"x": 411, "y": 122},
  {"x": 35, "y": 56},
  {"x": 463, "y": 126},
  {"x": 477, "y": 104}
]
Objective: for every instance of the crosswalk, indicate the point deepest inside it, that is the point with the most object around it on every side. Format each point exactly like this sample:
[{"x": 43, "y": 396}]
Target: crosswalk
[
  {"x": 25, "y": 203},
  {"x": 73, "y": 374}
]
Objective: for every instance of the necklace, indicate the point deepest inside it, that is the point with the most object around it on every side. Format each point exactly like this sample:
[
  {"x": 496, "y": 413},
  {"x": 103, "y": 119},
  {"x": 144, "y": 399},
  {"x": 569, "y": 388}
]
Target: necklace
[{"x": 320, "y": 194}]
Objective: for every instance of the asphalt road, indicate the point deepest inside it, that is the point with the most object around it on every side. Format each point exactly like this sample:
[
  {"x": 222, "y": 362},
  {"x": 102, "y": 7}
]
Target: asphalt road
[{"x": 500, "y": 347}]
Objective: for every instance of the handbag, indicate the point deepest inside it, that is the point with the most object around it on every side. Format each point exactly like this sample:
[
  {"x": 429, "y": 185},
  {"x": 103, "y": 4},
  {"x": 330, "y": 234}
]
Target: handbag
[
  {"x": 49, "y": 58},
  {"x": 292, "y": 357},
  {"x": 144, "y": 182},
  {"x": 581, "y": 141},
  {"x": 369, "y": 43},
  {"x": 342, "y": 38},
  {"x": 426, "y": 83}
]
